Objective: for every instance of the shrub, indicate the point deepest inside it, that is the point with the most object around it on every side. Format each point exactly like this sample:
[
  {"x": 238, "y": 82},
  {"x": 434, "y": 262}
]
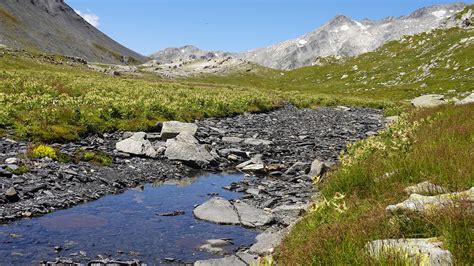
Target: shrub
[
  {"x": 99, "y": 158},
  {"x": 43, "y": 151}
]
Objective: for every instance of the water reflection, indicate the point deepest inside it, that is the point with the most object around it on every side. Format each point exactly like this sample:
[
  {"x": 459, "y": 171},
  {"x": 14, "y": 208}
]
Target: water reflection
[{"x": 126, "y": 226}]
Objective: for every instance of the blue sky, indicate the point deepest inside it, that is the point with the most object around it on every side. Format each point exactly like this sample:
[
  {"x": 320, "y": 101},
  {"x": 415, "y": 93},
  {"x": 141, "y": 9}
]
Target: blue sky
[{"x": 147, "y": 26}]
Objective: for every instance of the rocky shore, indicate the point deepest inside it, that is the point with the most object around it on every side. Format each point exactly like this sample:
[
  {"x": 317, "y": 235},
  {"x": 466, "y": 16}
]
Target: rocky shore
[{"x": 281, "y": 153}]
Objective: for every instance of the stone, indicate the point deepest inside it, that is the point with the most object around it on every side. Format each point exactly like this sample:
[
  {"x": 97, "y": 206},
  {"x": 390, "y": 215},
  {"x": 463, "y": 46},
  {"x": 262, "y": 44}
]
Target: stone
[
  {"x": 137, "y": 145},
  {"x": 11, "y": 193},
  {"x": 217, "y": 210},
  {"x": 417, "y": 251},
  {"x": 426, "y": 204},
  {"x": 317, "y": 168},
  {"x": 171, "y": 129},
  {"x": 425, "y": 188},
  {"x": 11, "y": 161},
  {"x": 251, "y": 216},
  {"x": 187, "y": 149},
  {"x": 429, "y": 100},
  {"x": 267, "y": 241},
  {"x": 227, "y": 261},
  {"x": 248, "y": 258},
  {"x": 287, "y": 214},
  {"x": 257, "y": 159},
  {"x": 469, "y": 99},
  {"x": 297, "y": 168},
  {"x": 258, "y": 167},
  {"x": 232, "y": 140},
  {"x": 391, "y": 119},
  {"x": 257, "y": 142}
]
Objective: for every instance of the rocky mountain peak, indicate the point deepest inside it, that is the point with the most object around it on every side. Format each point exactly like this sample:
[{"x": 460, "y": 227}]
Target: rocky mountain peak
[{"x": 343, "y": 36}]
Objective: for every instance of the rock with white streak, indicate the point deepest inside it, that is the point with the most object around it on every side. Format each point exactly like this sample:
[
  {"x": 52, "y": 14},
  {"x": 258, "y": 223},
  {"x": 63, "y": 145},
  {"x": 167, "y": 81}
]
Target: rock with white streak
[
  {"x": 417, "y": 251},
  {"x": 427, "y": 204}
]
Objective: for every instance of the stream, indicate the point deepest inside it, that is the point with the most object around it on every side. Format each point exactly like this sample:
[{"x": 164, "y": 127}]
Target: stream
[{"x": 127, "y": 226}]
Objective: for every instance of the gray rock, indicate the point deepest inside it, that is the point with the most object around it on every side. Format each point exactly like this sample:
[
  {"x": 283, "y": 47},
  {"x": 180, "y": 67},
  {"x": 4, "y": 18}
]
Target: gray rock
[
  {"x": 232, "y": 140},
  {"x": 428, "y": 251},
  {"x": 187, "y": 149},
  {"x": 12, "y": 160},
  {"x": 425, "y": 188},
  {"x": 227, "y": 261},
  {"x": 258, "y": 167},
  {"x": 297, "y": 168},
  {"x": 317, "y": 168},
  {"x": 424, "y": 204},
  {"x": 287, "y": 214},
  {"x": 217, "y": 210},
  {"x": 257, "y": 142},
  {"x": 267, "y": 241},
  {"x": 257, "y": 159},
  {"x": 467, "y": 100},
  {"x": 251, "y": 216},
  {"x": 171, "y": 129},
  {"x": 248, "y": 258},
  {"x": 429, "y": 100},
  {"x": 137, "y": 145},
  {"x": 11, "y": 193}
]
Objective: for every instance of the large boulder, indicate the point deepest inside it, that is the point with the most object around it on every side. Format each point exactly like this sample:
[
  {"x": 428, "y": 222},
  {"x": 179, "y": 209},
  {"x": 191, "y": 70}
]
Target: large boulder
[
  {"x": 171, "y": 129},
  {"x": 187, "y": 149},
  {"x": 137, "y": 145},
  {"x": 467, "y": 100},
  {"x": 217, "y": 210},
  {"x": 429, "y": 100},
  {"x": 427, "y": 251}
]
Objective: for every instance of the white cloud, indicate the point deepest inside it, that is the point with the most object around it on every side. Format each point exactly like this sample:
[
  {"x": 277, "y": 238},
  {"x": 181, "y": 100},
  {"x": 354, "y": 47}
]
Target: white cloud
[{"x": 92, "y": 18}]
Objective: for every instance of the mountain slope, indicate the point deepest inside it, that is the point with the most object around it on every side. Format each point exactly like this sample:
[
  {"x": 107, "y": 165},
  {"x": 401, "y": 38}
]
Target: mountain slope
[
  {"x": 185, "y": 54},
  {"x": 343, "y": 36},
  {"x": 52, "y": 26}
]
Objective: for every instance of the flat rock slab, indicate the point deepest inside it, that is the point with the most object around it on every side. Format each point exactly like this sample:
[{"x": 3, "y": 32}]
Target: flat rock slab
[
  {"x": 425, "y": 251},
  {"x": 187, "y": 149},
  {"x": 251, "y": 216},
  {"x": 171, "y": 129},
  {"x": 217, "y": 210},
  {"x": 429, "y": 100},
  {"x": 227, "y": 261},
  {"x": 425, "y": 204},
  {"x": 222, "y": 211},
  {"x": 267, "y": 241}
]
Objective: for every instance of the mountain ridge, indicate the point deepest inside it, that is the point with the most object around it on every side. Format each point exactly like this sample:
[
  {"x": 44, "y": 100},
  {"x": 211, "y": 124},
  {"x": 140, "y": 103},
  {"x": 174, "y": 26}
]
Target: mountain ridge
[{"x": 343, "y": 36}]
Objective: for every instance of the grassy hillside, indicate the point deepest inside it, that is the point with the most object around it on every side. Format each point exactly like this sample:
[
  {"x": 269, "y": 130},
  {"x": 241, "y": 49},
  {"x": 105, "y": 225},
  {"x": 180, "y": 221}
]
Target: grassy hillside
[
  {"x": 435, "y": 145},
  {"x": 438, "y": 62},
  {"x": 44, "y": 98}
]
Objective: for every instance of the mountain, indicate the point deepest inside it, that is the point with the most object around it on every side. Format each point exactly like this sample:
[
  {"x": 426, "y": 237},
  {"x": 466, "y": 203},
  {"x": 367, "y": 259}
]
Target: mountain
[
  {"x": 184, "y": 54},
  {"x": 54, "y": 27},
  {"x": 343, "y": 36}
]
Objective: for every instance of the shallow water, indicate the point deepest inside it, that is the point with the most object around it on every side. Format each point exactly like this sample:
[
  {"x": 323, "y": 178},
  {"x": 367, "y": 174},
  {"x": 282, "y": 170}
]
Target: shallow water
[{"x": 126, "y": 226}]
